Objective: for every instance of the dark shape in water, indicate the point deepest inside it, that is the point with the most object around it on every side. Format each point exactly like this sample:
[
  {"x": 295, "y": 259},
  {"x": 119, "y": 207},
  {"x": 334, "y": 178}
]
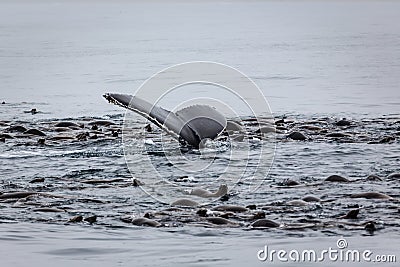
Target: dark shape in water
[
  {"x": 102, "y": 181},
  {"x": 387, "y": 139},
  {"x": 202, "y": 212},
  {"x": 297, "y": 136},
  {"x": 75, "y": 219},
  {"x": 145, "y": 222},
  {"x": 183, "y": 202},
  {"x": 148, "y": 128},
  {"x": 258, "y": 215},
  {"x": 16, "y": 128},
  {"x": 35, "y": 132},
  {"x": 343, "y": 122},
  {"x": 37, "y": 180},
  {"x": 264, "y": 223},
  {"x": 370, "y": 227},
  {"x": 32, "y": 111},
  {"x": 219, "y": 221},
  {"x": 136, "y": 182},
  {"x": 41, "y": 141},
  {"x": 337, "y": 135},
  {"x": 337, "y": 178},
  {"x": 191, "y": 124},
  {"x": 17, "y": 195},
  {"x": 394, "y": 176},
  {"x": 66, "y": 124},
  {"x": 91, "y": 219},
  {"x": 373, "y": 177},
  {"x": 6, "y": 136},
  {"x": 232, "y": 208},
  {"x": 311, "y": 199},
  {"x": 114, "y": 133},
  {"x": 251, "y": 207},
  {"x": 371, "y": 195},
  {"x": 289, "y": 182},
  {"x": 351, "y": 214},
  {"x": 48, "y": 209},
  {"x": 101, "y": 123}
]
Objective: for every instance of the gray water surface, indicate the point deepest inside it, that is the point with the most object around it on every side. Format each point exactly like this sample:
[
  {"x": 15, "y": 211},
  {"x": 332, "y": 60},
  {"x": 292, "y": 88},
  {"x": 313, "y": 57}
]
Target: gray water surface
[{"x": 312, "y": 60}]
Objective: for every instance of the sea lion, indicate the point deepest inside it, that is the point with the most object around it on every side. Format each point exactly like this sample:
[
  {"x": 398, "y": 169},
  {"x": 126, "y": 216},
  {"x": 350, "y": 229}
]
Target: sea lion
[
  {"x": 222, "y": 190},
  {"x": 41, "y": 141},
  {"x": 62, "y": 129},
  {"x": 297, "y": 202},
  {"x": 32, "y": 111},
  {"x": 289, "y": 182},
  {"x": 337, "y": 178},
  {"x": 17, "y": 195},
  {"x": 311, "y": 199},
  {"x": 373, "y": 177},
  {"x": 35, "y": 132},
  {"x": 66, "y": 124},
  {"x": 297, "y": 136},
  {"x": 311, "y": 127},
  {"x": 337, "y": 135},
  {"x": 393, "y": 176},
  {"x": 220, "y": 221},
  {"x": 258, "y": 215},
  {"x": 16, "y": 128},
  {"x": 371, "y": 195},
  {"x": 264, "y": 223},
  {"x": 387, "y": 139},
  {"x": 37, "y": 180},
  {"x": 370, "y": 227},
  {"x": 91, "y": 219},
  {"x": 101, "y": 123},
  {"x": 343, "y": 122},
  {"x": 251, "y": 207},
  {"x": 82, "y": 136},
  {"x": 102, "y": 181},
  {"x": 145, "y": 222},
  {"x": 232, "y": 208},
  {"x": 183, "y": 202},
  {"x": 6, "y": 136},
  {"x": 75, "y": 219},
  {"x": 62, "y": 137},
  {"x": 352, "y": 214},
  {"x": 47, "y": 209}
]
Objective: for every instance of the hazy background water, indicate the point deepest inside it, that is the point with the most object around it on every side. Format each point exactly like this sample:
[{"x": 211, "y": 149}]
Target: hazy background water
[
  {"x": 335, "y": 58},
  {"x": 306, "y": 56}
]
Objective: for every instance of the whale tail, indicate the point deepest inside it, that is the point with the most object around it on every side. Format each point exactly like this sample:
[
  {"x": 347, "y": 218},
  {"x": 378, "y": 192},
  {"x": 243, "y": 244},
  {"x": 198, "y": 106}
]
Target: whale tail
[{"x": 191, "y": 124}]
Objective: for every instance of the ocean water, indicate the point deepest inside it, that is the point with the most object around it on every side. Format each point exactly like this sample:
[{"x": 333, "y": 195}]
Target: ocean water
[{"x": 315, "y": 61}]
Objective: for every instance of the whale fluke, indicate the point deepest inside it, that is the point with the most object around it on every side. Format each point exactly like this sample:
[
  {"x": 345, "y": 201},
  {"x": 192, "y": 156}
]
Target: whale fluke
[{"x": 191, "y": 124}]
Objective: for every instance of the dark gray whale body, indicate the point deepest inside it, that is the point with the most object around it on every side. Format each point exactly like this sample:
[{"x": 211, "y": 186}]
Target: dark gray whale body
[{"x": 189, "y": 125}]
